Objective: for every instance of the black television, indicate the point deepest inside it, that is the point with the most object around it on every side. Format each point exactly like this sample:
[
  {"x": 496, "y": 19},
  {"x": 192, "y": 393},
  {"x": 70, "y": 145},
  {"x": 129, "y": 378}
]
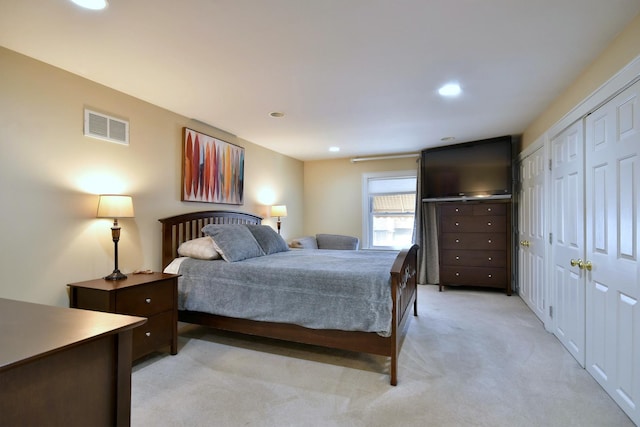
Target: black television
[{"x": 478, "y": 169}]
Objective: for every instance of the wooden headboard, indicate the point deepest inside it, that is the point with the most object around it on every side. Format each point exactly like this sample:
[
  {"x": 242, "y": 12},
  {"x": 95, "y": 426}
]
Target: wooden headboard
[{"x": 180, "y": 228}]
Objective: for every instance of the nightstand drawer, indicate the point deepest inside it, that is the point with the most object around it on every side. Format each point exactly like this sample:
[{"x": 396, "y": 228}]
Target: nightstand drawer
[
  {"x": 153, "y": 296},
  {"x": 154, "y": 334},
  {"x": 146, "y": 300}
]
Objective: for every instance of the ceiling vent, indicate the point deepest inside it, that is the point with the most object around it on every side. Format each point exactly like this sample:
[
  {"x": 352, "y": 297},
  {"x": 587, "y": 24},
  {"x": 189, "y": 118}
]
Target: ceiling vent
[{"x": 101, "y": 126}]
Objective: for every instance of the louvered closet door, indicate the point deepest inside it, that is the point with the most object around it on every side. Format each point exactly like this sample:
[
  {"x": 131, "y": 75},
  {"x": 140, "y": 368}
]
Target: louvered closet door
[
  {"x": 567, "y": 154},
  {"x": 612, "y": 154},
  {"x": 532, "y": 236}
]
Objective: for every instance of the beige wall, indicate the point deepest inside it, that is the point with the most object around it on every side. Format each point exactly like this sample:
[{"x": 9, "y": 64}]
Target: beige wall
[
  {"x": 50, "y": 175},
  {"x": 624, "y": 49},
  {"x": 333, "y": 193}
]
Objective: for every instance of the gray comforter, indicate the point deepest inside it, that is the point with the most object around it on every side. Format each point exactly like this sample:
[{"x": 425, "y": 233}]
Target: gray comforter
[{"x": 319, "y": 289}]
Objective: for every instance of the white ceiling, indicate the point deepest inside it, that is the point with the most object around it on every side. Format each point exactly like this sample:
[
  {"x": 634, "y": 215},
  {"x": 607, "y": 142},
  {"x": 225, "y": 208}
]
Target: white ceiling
[{"x": 358, "y": 74}]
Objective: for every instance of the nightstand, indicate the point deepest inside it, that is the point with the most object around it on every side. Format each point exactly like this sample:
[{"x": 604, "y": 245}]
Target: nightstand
[{"x": 154, "y": 296}]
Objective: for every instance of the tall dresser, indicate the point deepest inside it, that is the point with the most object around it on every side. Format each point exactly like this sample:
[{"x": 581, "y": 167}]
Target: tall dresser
[{"x": 474, "y": 241}]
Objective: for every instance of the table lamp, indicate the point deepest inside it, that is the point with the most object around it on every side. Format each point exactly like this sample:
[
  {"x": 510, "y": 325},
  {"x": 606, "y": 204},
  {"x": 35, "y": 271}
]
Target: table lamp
[
  {"x": 115, "y": 206},
  {"x": 279, "y": 211}
]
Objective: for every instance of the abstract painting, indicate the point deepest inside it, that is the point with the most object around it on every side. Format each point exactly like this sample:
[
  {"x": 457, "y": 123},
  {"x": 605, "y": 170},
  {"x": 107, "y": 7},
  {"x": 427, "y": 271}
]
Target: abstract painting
[{"x": 212, "y": 170}]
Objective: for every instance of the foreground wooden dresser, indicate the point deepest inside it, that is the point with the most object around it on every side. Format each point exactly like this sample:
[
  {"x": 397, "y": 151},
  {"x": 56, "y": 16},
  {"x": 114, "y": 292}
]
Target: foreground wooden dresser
[
  {"x": 474, "y": 241},
  {"x": 60, "y": 366}
]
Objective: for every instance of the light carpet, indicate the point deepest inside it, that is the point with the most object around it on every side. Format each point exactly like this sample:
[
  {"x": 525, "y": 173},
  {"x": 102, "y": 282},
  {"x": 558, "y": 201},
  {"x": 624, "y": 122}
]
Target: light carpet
[{"x": 471, "y": 358}]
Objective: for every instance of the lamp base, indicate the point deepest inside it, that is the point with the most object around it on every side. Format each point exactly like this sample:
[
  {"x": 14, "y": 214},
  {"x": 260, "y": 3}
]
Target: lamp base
[{"x": 116, "y": 275}]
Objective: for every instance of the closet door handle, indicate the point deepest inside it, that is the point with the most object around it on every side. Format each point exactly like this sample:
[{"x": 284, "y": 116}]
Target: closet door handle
[{"x": 585, "y": 265}]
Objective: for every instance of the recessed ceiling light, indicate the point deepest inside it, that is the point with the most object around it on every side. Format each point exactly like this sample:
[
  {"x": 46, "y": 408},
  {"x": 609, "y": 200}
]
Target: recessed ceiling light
[
  {"x": 450, "y": 89},
  {"x": 91, "y": 4},
  {"x": 276, "y": 114},
  {"x": 334, "y": 149}
]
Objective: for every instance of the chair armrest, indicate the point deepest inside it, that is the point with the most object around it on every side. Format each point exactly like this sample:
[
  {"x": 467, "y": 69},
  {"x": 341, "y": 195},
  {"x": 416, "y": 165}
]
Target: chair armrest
[{"x": 337, "y": 241}]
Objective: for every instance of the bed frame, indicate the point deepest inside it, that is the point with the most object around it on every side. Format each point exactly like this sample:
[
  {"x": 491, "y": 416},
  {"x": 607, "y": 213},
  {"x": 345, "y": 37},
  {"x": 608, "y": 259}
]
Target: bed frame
[{"x": 180, "y": 228}]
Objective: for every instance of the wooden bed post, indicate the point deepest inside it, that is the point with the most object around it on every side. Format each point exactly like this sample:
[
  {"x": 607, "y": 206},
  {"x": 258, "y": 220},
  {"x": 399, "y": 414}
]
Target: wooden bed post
[{"x": 404, "y": 293}]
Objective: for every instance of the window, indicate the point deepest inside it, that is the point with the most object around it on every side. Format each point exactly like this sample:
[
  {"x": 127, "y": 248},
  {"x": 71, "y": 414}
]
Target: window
[{"x": 389, "y": 203}]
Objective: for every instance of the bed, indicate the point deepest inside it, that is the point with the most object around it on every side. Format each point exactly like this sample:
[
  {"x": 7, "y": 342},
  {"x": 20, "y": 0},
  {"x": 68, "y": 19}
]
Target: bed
[{"x": 400, "y": 290}]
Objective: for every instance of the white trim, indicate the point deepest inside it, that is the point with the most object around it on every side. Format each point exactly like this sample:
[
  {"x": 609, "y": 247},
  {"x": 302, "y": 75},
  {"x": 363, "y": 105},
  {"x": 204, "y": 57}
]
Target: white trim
[
  {"x": 365, "y": 197},
  {"x": 390, "y": 157},
  {"x": 623, "y": 78},
  {"x": 533, "y": 147}
]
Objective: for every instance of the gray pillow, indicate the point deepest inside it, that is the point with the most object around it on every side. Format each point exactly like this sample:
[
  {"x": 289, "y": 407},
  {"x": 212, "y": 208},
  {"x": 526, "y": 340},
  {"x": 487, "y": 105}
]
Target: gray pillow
[
  {"x": 233, "y": 241},
  {"x": 270, "y": 241}
]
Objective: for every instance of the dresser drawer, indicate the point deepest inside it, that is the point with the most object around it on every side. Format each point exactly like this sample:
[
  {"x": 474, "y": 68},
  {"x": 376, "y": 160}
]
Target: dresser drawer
[
  {"x": 473, "y": 258},
  {"x": 473, "y": 241},
  {"x": 474, "y": 276},
  {"x": 146, "y": 300},
  {"x": 497, "y": 209},
  {"x": 157, "y": 332},
  {"x": 473, "y": 224},
  {"x": 455, "y": 209}
]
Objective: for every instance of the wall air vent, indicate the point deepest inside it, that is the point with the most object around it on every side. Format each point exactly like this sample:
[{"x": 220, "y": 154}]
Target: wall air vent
[{"x": 101, "y": 126}]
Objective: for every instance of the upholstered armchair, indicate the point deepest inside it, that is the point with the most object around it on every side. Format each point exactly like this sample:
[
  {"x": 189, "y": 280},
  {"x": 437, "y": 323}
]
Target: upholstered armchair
[{"x": 326, "y": 241}]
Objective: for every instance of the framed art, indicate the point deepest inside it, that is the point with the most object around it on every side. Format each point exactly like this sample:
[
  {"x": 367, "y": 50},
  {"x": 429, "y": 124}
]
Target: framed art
[{"x": 212, "y": 170}]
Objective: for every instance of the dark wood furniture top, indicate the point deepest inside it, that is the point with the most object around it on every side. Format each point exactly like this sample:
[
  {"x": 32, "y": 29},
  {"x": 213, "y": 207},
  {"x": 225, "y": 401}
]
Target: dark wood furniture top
[
  {"x": 60, "y": 366},
  {"x": 180, "y": 228},
  {"x": 474, "y": 241},
  {"x": 154, "y": 296}
]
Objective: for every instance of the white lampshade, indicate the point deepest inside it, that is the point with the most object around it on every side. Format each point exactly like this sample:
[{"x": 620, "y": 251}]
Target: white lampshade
[
  {"x": 279, "y": 210},
  {"x": 115, "y": 206}
]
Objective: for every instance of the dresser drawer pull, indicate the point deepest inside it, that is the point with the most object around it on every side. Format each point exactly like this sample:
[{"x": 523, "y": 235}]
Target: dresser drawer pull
[
  {"x": 457, "y": 274},
  {"x": 457, "y": 257},
  {"x": 490, "y": 259},
  {"x": 489, "y": 224},
  {"x": 148, "y": 334},
  {"x": 457, "y": 210},
  {"x": 488, "y": 209},
  {"x": 490, "y": 276},
  {"x": 457, "y": 240},
  {"x": 147, "y": 300},
  {"x": 457, "y": 224},
  {"x": 489, "y": 240}
]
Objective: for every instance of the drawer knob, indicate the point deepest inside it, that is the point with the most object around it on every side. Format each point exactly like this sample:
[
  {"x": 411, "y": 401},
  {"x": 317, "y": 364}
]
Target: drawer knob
[
  {"x": 489, "y": 240},
  {"x": 457, "y": 240},
  {"x": 457, "y": 274},
  {"x": 147, "y": 300},
  {"x": 457, "y": 224},
  {"x": 457, "y": 257},
  {"x": 489, "y": 224},
  {"x": 490, "y": 276},
  {"x": 457, "y": 210},
  {"x": 148, "y": 334},
  {"x": 488, "y": 209},
  {"x": 490, "y": 258}
]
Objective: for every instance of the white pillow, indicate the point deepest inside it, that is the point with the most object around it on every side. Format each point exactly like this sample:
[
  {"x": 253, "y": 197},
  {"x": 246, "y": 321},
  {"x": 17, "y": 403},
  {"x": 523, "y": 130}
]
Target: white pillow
[
  {"x": 200, "y": 248},
  {"x": 306, "y": 242}
]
